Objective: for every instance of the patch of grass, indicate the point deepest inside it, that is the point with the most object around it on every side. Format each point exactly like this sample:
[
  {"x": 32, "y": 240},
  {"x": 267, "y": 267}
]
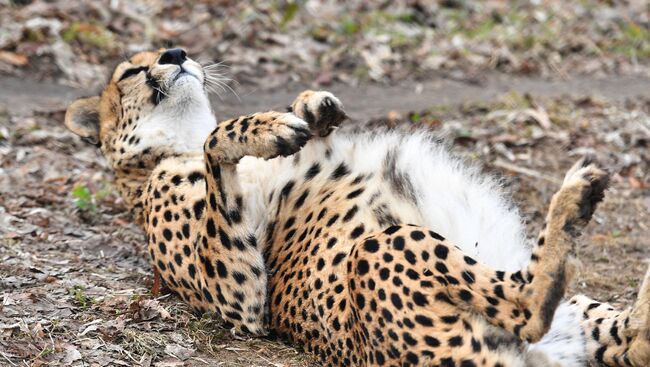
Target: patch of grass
[
  {"x": 87, "y": 33},
  {"x": 79, "y": 295},
  {"x": 483, "y": 30},
  {"x": 206, "y": 332},
  {"x": 514, "y": 101},
  {"x": 289, "y": 13},
  {"x": 83, "y": 198},
  {"x": 87, "y": 200},
  {"x": 46, "y": 352},
  {"x": 349, "y": 26},
  {"x": 143, "y": 342}
]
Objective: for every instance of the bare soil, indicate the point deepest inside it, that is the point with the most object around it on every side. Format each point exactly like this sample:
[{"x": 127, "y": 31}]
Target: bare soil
[{"x": 74, "y": 276}]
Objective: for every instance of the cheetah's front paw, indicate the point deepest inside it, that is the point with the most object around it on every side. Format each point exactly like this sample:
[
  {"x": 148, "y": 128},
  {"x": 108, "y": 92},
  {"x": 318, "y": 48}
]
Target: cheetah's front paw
[
  {"x": 322, "y": 111},
  {"x": 264, "y": 135}
]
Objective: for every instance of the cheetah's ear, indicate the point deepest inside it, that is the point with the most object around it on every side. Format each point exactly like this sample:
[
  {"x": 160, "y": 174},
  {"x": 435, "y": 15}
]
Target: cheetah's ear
[{"x": 82, "y": 118}]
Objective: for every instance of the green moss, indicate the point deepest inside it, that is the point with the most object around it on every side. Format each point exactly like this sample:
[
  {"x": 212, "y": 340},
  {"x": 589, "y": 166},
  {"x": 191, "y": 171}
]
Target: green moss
[{"x": 88, "y": 33}]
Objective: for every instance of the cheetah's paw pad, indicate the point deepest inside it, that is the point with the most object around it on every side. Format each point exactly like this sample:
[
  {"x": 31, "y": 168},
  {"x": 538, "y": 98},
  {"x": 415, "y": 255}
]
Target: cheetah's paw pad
[
  {"x": 584, "y": 185},
  {"x": 321, "y": 109}
]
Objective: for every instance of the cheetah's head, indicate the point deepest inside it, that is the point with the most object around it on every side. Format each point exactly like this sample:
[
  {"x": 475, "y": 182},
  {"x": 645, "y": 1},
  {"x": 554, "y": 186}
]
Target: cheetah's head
[{"x": 155, "y": 102}]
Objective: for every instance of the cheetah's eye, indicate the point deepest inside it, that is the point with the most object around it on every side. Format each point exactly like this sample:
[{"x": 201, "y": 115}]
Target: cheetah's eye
[{"x": 132, "y": 72}]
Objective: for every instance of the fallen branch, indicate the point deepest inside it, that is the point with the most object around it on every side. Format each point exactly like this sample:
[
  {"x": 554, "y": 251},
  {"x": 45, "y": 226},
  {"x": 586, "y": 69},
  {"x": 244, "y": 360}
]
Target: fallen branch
[{"x": 525, "y": 171}]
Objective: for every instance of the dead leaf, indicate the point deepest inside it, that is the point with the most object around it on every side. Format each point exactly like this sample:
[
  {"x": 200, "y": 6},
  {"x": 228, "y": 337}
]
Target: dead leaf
[
  {"x": 539, "y": 115},
  {"x": 148, "y": 309},
  {"x": 179, "y": 351},
  {"x": 635, "y": 183},
  {"x": 71, "y": 355},
  {"x": 13, "y": 58}
]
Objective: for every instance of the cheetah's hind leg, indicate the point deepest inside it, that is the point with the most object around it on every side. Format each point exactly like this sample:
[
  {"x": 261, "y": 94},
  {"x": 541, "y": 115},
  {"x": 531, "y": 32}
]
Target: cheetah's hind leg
[{"x": 618, "y": 338}]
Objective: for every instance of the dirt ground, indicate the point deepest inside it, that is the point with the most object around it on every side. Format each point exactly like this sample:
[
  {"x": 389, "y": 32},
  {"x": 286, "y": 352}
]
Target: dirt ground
[{"x": 74, "y": 276}]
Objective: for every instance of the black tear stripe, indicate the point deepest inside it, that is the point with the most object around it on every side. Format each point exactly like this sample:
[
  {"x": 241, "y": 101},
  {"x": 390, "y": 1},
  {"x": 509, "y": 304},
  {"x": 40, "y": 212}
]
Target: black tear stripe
[
  {"x": 157, "y": 95},
  {"x": 399, "y": 181},
  {"x": 133, "y": 71}
]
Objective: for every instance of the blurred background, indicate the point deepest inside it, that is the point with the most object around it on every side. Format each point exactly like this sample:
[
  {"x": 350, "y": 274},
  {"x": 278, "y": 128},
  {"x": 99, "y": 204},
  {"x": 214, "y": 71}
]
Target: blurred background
[
  {"x": 271, "y": 43},
  {"x": 522, "y": 88}
]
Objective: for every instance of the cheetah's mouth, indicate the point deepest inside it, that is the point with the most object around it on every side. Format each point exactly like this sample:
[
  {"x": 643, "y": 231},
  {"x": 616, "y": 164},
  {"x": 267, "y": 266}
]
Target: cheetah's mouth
[{"x": 183, "y": 73}]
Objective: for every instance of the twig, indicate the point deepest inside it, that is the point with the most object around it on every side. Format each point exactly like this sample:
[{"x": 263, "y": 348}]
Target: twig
[
  {"x": 199, "y": 359},
  {"x": 7, "y": 358},
  {"x": 525, "y": 171}
]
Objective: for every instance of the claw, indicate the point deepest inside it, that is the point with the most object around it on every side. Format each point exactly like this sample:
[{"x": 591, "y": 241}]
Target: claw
[{"x": 236, "y": 336}]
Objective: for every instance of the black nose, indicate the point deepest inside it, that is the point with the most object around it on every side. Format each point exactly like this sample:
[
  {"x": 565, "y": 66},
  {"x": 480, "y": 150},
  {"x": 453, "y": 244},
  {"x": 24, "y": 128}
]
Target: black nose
[{"x": 174, "y": 56}]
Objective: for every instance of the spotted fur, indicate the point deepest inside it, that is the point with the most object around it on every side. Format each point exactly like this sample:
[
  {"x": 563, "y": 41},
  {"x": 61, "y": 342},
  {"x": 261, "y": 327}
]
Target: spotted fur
[{"x": 274, "y": 222}]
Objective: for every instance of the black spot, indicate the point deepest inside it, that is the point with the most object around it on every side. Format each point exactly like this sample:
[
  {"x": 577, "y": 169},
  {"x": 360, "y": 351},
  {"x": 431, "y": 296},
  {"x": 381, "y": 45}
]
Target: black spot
[
  {"x": 186, "y": 230},
  {"x": 431, "y": 341},
  {"x": 396, "y": 300},
  {"x": 384, "y": 273},
  {"x": 392, "y": 229},
  {"x": 198, "y": 208},
  {"x": 420, "y": 299},
  {"x": 239, "y": 277},
  {"x": 468, "y": 276},
  {"x": 313, "y": 171},
  {"x": 301, "y": 200},
  {"x": 209, "y": 269},
  {"x": 412, "y": 358},
  {"x": 210, "y": 227},
  {"x": 465, "y": 295},
  {"x": 410, "y": 257},
  {"x": 441, "y": 252},
  {"x": 221, "y": 269},
  {"x": 600, "y": 353},
  {"x": 455, "y": 341},
  {"x": 498, "y": 291},
  {"x": 225, "y": 240},
  {"x": 167, "y": 234},
  {"x": 357, "y": 231},
  {"x": 286, "y": 190},
  {"x": 398, "y": 243},
  {"x": 338, "y": 258},
  {"x": 207, "y": 295},
  {"x": 371, "y": 245},
  {"x": 332, "y": 220},
  {"x": 423, "y": 320},
  {"x": 355, "y": 193},
  {"x": 340, "y": 171},
  {"x": 417, "y": 235},
  {"x": 441, "y": 267},
  {"x": 491, "y": 311},
  {"x": 350, "y": 214},
  {"x": 362, "y": 267},
  {"x": 361, "y": 301},
  {"x": 195, "y": 176},
  {"x": 449, "y": 319}
]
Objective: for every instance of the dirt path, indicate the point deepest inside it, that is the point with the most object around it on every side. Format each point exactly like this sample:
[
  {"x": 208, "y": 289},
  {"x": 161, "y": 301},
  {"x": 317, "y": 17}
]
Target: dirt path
[{"x": 25, "y": 96}]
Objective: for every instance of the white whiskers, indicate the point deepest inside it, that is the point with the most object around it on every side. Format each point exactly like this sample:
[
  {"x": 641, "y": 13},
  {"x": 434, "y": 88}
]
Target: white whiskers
[{"x": 216, "y": 81}]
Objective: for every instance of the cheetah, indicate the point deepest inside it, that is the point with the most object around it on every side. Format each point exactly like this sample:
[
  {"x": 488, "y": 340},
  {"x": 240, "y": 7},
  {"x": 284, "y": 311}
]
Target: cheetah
[{"x": 366, "y": 246}]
